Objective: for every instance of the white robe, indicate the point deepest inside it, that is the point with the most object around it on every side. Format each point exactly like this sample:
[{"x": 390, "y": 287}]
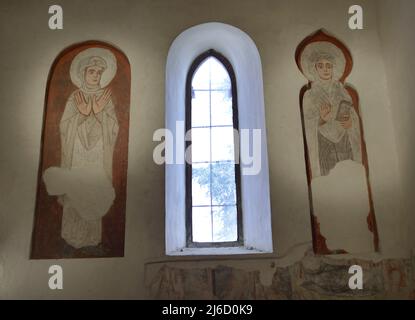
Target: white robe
[
  {"x": 332, "y": 93},
  {"x": 84, "y": 180},
  {"x": 340, "y": 197}
]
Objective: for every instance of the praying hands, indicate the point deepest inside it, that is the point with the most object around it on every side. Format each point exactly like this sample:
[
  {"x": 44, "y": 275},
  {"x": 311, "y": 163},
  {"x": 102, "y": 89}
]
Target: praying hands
[{"x": 92, "y": 103}]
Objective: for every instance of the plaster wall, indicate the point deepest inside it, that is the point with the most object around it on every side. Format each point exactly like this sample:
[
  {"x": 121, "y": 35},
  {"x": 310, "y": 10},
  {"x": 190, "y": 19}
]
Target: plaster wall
[
  {"x": 144, "y": 30},
  {"x": 396, "y": 28}
]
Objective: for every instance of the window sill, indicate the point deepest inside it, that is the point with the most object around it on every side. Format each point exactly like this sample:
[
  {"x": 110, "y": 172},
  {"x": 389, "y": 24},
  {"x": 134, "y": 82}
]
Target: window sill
[{"x": 214, "y": 251}]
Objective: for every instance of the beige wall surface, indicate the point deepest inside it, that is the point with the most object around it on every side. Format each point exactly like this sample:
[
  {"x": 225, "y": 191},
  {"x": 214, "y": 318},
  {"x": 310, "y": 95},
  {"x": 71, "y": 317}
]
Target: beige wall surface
[
  {"x": 144, "y": 30},
  {"x": 396, "y": 26}
]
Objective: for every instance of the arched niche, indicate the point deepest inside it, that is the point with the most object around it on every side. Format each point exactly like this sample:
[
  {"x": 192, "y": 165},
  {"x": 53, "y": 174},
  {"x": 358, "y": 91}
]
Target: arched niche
[
  {"x": 243, "y": 55},
  {"x": 81, "y": 191}
]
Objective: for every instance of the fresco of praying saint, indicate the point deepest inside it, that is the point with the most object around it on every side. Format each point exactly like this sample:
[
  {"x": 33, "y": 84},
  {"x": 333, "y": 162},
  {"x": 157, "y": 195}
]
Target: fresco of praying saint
[{"x": 88, "y": 132}]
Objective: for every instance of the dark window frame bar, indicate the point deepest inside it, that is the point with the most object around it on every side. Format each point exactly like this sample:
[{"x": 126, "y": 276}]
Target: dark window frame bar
[
  {"x": 214, "y": 126},
  {"x": 188, "y": 125},
  {"x": 214, "y": 162},
  {"x": 210, "y": 90}
]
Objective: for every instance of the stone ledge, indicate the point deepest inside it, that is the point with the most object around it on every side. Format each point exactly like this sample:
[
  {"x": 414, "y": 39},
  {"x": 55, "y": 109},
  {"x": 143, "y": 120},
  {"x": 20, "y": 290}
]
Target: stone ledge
[{"x": 215, "y": 251}]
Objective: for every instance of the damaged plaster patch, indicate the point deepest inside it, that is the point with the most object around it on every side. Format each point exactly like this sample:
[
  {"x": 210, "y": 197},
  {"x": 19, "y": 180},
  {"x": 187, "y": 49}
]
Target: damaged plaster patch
[{"x": 313, "y": 277}]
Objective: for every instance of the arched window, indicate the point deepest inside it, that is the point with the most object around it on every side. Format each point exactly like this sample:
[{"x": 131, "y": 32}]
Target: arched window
[
  {"x": 253, "y": 209},
  {"x": 213, "y": 195}
]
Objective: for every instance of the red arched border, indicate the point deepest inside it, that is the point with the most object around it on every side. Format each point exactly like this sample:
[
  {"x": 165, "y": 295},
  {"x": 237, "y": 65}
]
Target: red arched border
[{"x": 46, "y": 239}]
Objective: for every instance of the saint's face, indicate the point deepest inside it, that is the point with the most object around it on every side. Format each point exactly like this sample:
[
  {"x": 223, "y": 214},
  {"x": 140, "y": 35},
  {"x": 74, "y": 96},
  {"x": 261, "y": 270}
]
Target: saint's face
[
  {"x": 93, "y": 76},
  {"x": 324, "y": 69}
]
